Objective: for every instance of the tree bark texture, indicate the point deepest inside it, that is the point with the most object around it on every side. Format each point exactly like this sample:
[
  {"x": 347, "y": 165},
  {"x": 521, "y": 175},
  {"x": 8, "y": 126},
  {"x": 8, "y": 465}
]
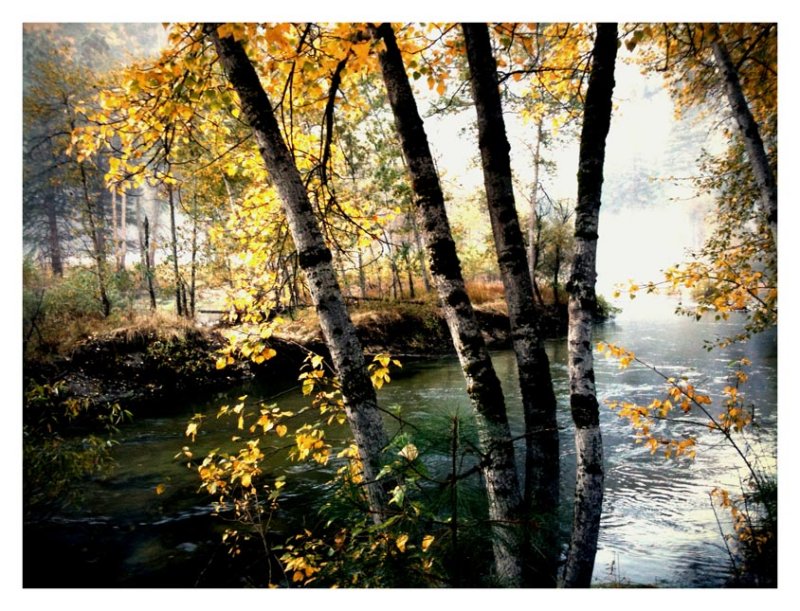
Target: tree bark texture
[
  {"x": 315, "y": 259},
  {"x": 750, "y": 134},
  {"x": 582, "y": 306},
  {"x": 536, "y": 387},
  {"x": 498, "y": 464}
]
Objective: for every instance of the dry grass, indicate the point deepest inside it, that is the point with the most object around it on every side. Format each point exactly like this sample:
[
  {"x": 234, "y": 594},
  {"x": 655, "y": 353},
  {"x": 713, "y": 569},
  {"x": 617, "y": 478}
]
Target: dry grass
[
  {"x": 480, "y": 291},
  {"x": 135, "y": 326}
]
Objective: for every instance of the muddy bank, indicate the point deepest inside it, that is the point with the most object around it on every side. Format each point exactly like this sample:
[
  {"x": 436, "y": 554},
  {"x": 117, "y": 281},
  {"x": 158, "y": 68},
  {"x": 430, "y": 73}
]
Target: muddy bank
[
  {"x": 419, "y": 331},
  {"x": 145, "y": 372}
]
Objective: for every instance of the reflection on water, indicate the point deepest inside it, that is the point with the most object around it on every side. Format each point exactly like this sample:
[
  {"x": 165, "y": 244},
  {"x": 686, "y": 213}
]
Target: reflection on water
[{"x": 657, "y": 526}]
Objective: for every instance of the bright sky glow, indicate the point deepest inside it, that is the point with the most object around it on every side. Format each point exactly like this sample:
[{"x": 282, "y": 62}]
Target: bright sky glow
[{"x": 636, "y": 242}]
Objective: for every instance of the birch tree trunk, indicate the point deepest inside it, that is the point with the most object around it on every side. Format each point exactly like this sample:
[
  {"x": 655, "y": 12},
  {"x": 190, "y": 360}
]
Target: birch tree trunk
[
  {"x": 538, "y": 399},
  {"x": 498, "y": 465},
  {"x": 750, "y": 133},
  {"x": 582, "y": 306},
  {"x": 315, "y": 259}
]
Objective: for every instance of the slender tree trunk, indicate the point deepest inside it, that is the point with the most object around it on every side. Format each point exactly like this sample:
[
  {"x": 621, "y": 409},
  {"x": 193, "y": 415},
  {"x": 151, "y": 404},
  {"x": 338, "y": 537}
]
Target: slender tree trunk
[
  {"x": 426, "y": 281},
  {"x": 556, "y": 274},
  {"x": 229, "y": 191},
  {"x": 582, "y": 306},
  {"x": 179, "y": 305},
  {"x": 342, "y": 274},
  {"x": 99, "y": 254},
  {"x": 533, "y": 241},
  {"x": 193, "y": 285},
  {"x": 361, "y": 404},
  {"x": 397, "y": 286},
  {"x": 362, "y": 276},
  {"x": 114, "y": 229},
  {"x": 123, "y": 220},
  {"x": 750, "y": 134},
  {"x": 498, "y": 465},
  {"x": 409, "y": 274},
  {"x": 538, "y": 399},
  {"x": 148, "y": 270},
  {"x": 53, "y": 238}
]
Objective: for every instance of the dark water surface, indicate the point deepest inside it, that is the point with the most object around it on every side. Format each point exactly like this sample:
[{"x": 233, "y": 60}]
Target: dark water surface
[{"x": 657, "y": 527}]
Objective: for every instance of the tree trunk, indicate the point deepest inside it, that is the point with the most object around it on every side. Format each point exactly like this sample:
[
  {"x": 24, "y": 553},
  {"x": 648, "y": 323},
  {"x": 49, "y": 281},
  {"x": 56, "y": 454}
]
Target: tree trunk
[
  {"x": 148, "y": 270},
  {"x": 315, "y": 259},
  {"x": 538, "y": 399},
  {"x": 582, "y": 306},
  {"x": 114, "y": 229},
  {"x": 362, "y": 276},
  {"x": 179, "y": 305},
  {"x": 556, "y": 275},
  {"x": 98, "y": 253},
  {"x": 750, "y": 134},
  {"x": 53, "y": 237},
  {"x": 409, "y": 274},
  {"x": 426, "y": 281},
  {"x": 123, "y": 240},
  {"x": 498, "y": 464},
  {"x": 533, "y": 238},
  {"x": 193, "y": 285}
]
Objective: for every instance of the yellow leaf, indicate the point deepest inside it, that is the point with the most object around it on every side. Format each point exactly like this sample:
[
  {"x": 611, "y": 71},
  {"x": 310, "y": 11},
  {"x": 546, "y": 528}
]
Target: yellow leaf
[
  {"x": 160, "y": 488},
  {"x": 401, "y": 542},
  {"x": 246, "y": 480},
  {"x": 191, "y": 430},
  {"x": 409, "y": 452},
  {"x": 426, "y": 542},
  {"x": 281, "y": 430},
  {"x": 222, "y": 362}
]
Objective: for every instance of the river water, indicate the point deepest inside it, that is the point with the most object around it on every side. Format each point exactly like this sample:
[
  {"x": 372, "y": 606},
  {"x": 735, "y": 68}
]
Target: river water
[{"x": 657, "y": 528}]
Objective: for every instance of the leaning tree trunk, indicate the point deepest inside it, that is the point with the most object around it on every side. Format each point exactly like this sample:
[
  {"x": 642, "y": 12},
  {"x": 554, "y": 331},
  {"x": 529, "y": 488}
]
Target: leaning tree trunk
[
  {"x": 582, "y": 306},
  {"x": 498, "y": 464},
  {"x": 361, "y": 404},
  {"x": 750, "y": 134},
  {"x": 538, "y": 399}
]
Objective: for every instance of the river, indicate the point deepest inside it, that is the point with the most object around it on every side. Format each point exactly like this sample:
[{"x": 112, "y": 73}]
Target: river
[{"x": 658, "y": 527}]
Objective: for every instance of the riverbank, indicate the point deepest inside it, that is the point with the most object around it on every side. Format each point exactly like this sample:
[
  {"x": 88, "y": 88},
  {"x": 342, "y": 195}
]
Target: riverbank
[{"x": 150, "y": 363}]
